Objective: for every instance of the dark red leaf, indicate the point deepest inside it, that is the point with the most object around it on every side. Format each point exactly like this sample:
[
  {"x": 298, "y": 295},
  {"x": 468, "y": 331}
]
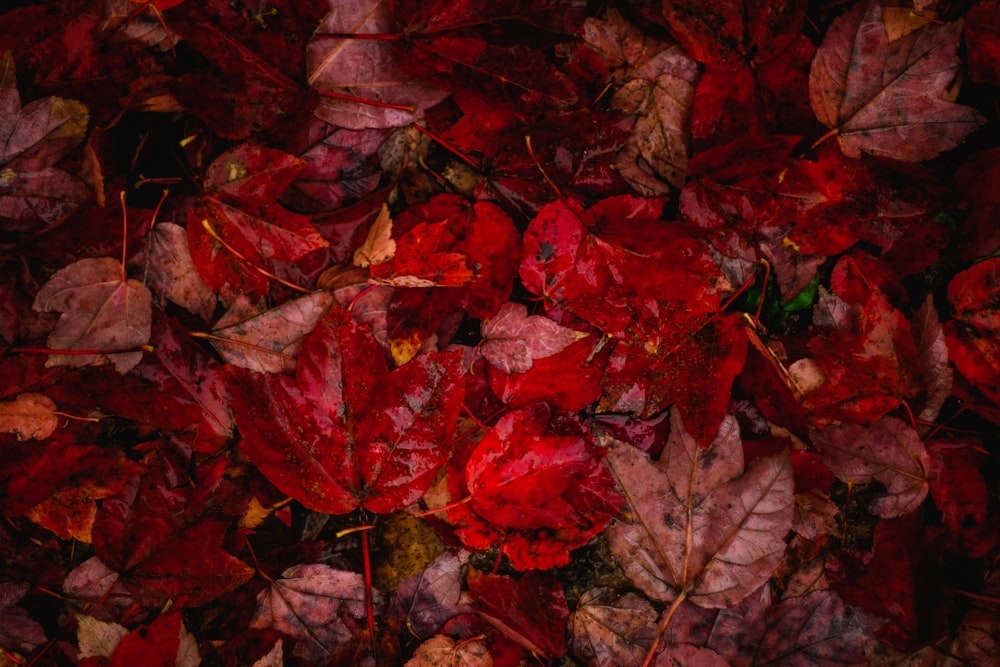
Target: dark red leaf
[
  {"x": 347, "y": 432},
  {"x": 531, "y": 610}
]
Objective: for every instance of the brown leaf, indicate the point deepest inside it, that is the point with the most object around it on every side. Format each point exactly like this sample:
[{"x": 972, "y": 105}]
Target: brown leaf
[
  {"x": 888, "y": 451},
  {"x": 29, "y": 416},
  {"x": 612, "y": 629},
  {"x": 99, "y": 310},
  {"x": 378, "y": 246},
  {"x": 172, "y": 272},
  {"x": 887, "y": 98},
  {"x": 700, "y": 525},
  {"x": 443, "y": 651}
]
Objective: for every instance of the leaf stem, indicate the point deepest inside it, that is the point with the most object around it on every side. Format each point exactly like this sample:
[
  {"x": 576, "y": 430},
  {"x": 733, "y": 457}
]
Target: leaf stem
[
  {"x": 369, "y": 608},
  {"x": 443, "y": 508},
  {"x": 663, "y": 628},
  {"x": 48, "y": 350},
  {"x": 450, "y": 148},
  {"x": 832, "y": 133},
  {"x": 211, "y": 232},
  {"x": 365, "y": 100},
  {"x": 234, "y": 341}
]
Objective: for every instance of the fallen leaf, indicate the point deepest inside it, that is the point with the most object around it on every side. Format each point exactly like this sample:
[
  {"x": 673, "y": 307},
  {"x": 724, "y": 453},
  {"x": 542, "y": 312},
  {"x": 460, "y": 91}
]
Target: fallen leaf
[
  {"x": 97, "y": 639},
  {"x": 888, "y": 451},
  {"x": 33, "y": 193},
  {"x": 317, "y": 605},
  {"x": 347, "y": 432},
  {"x": 99, "y": 310},
  {"x": 29, "y": 416},
  {"x": 611, "y": 629},
  {"x": 270, "y": 341},
  {"x": 537, "y": 495},
  {"x": 443, "y": 651},
  {"x": 512, "y": 339},
  {"x": 18, "y": 630},
  {"x": 172, "y": 272},
  {"x": 378, "y": 246},
  {"x": 531, "y": 611},
  {"x": 888, "y": 98},
  {"x": 369, "y": 90},
  {"x": 700, "y": 526}
]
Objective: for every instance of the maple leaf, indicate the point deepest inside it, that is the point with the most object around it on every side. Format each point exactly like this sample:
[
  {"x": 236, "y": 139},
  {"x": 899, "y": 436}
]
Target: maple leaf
[
  {"x": 29, "y": 415},
  {"x": 512, "y": 339},
  {"x": 317, "y": 605},
  {"x": 347, "y": 432},
  {"x": 889, "y": 451},
  {"x": 702, "y": 528},
  {"x": 611, "y": 629},
  {"x": 100, "y": 309},
  {"x": 361, "y": 80},
  {"x": 537, "y": 495},
  {"x": 172, "y": 272},
  {"x": 531, "y": 610},
  {"x": 269, "y": 341},
  {"x": 34, "y": 193},
  {"x": 888, "y": 98},
  {"x": 237, "y": 227},
  {"x": 567, "y": 379}
]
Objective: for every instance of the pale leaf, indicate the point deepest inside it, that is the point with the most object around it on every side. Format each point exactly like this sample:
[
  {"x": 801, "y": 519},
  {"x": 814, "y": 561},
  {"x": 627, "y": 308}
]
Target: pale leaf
[
  {"x": 97, "y": 639},
  {"x": 888, "y": 98},
  {"x": 888, "y": 451},
  {"x": 512, "y": 339},
  {"x": 269, "y": 342},
  {"x": 363, "y": 69},
  {"x": 378, "y": 246},
  {"x": 29, "y": 416},
  {"x": 933, "y": 350},
  {"x": 443, "y": 651},
  {"x": 612, "y": 629},
  {"x": 172, "y": 272},
  {"x": 700, "y": 524},
  {"x": 99, "y": 311}
]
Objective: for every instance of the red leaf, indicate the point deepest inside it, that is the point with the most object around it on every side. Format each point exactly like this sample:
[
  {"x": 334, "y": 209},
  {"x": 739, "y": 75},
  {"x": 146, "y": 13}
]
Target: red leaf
[
  {"x": 567, "y": 379},
  {"x": 347, "y": 432},
  {"x": 155, "y": 645},
  {"x": 696, "y": 374},
  {"x": 735, "y": 32},
  {"x": 982, "y": 40},
  {"x": 531, "y": 610},
  {"x": 887, "y": 98},
  {"x": 537, "y": 495}
]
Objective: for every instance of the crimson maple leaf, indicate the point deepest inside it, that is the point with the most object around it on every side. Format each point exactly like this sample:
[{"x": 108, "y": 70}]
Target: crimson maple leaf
[{"x": 347, "y": 432}]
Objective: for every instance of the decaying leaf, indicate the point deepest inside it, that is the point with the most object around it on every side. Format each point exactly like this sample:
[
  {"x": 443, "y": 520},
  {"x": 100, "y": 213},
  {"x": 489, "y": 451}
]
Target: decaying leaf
[
  {"x": 700, "y": 526},
  {"x": 100, "y": 309},
  {"x": 888, "y": 98},
  {"x": 29, "y": 416}
]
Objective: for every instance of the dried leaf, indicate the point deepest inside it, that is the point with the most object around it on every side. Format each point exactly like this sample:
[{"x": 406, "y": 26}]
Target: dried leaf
[
  {"x": 888, "y": 98},
  {"x": 97, "y": 639},
  {"x": 379, "y": 246},
  {"x": 443, "y": 651},
  {"x": 699, "y": 525},
  {"x": 99, "y": 310},
  {"x": 29, "y": 416},
  {"x": 612, "y": 629}
]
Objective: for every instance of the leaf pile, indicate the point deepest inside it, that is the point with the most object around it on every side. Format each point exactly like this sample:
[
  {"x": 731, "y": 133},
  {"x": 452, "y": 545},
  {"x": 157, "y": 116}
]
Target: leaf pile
[{"x": 389, "y": 332}]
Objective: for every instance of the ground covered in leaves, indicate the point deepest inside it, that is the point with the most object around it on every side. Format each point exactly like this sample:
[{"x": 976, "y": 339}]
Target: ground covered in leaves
[{"x": 552, "y": 332}]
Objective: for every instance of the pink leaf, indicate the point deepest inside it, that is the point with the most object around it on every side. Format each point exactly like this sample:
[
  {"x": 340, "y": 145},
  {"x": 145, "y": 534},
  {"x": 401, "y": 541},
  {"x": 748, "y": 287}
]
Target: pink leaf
[
  {"x": 888, "y": 451},
  {"x": 315, "y": 604},
  {"x": 100, "y": 310},
  {"x": 360, "y": 70},
  {"x": 443, "y": 651},
  {"x": 513, "y": 339},
  {"x": 172, "y": 272},
  {"x": 700, "y": 525},
  {"x": 887, "y": 98}
]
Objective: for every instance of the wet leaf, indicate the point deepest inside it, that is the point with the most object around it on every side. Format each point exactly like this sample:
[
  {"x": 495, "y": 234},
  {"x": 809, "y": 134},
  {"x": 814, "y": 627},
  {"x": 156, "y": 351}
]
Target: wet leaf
[{"x": 512, "y": 339}]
